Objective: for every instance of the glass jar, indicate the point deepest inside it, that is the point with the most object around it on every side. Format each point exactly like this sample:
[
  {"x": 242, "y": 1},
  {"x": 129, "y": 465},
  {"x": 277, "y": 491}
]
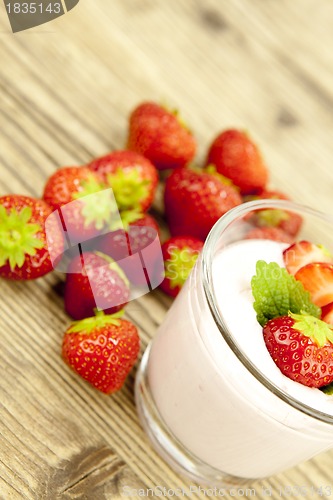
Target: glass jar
[{"x": 211, "y": 409}]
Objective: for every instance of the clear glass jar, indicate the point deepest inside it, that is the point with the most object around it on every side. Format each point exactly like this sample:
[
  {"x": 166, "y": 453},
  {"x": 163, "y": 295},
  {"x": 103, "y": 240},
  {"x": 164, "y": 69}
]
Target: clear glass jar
[{"x": 209, "y": 409}]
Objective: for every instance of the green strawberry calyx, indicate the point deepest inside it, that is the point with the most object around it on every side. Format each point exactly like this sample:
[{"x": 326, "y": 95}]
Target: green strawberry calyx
[
  {"x": 179, "y": 265},
  {"x": 100, "y": 321},
  {"x": 276, "y": 293},
  {"x": 271, "y": 217},
  {"x": 129, "y": 188},
  {"x": 18, "y": 236},
  {"x": 317, "y": 330},
  {"x": 96, "y": 210}
]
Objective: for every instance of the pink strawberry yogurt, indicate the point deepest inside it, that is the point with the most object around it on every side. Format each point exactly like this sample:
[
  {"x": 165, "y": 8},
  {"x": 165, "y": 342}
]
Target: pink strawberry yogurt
[{"x": 210, "y": 401}]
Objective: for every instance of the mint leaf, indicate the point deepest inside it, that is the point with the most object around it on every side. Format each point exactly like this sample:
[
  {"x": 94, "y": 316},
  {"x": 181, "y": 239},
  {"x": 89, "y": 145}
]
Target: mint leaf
[{"x": 276, "y": 293}]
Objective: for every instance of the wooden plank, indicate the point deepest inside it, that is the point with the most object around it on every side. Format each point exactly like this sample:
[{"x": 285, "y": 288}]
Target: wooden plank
[{"x": 66, "y": 90}]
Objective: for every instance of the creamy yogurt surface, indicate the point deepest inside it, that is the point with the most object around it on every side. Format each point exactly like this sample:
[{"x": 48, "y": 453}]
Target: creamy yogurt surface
[{"x": 233, "y": 269}]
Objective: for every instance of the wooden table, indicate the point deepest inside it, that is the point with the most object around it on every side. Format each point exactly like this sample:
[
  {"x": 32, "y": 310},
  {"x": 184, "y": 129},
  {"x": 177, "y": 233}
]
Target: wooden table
[{"x": 67, "y": 88}]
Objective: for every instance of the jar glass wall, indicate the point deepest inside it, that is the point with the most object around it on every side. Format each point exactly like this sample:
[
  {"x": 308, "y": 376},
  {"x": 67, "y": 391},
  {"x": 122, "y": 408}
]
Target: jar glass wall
[{"x": 206, "y": 400}]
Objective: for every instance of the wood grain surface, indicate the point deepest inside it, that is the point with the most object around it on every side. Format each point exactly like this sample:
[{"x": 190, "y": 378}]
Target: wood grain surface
[{"x": 66, "y": 89}]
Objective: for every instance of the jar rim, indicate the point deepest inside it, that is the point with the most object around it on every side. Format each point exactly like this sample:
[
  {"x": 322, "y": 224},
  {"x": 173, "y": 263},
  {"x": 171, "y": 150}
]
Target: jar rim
[{"x": 208, "y": 284}]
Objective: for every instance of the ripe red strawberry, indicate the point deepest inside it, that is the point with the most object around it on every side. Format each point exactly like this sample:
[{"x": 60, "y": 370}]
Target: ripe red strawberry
[
  {"x": 121, "y": 243},
  {"x": 269, "y": 233},
  {"x": 142, "y": 235},
  {"x": 327, "y": 313},
  {"x": 301, "y": 346},
  {"x": 26, "y": 251},
  {"x": 132, "y": 177},
  {"x": 302, "y": 253},
  {"x": 73, "y": 190},
  {"x": 161, "y": 136},
  {"x": 317, "y": 278},
  {"x": 195, "y": 200},
  {"x": 136, "y": 250},
  {"x": 290, "y": 222},
  {"x": 236, "y": 156},
  {"x": 93, "y": 281},
  {"x": 179, "y": 254},
  {"x": 146, "y": 220},
  {"x": 102, "y": 350}
]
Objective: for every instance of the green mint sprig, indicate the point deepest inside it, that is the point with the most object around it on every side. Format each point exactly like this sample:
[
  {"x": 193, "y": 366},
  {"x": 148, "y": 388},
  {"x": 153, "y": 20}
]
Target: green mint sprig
[{"x": 277, "y": 293}]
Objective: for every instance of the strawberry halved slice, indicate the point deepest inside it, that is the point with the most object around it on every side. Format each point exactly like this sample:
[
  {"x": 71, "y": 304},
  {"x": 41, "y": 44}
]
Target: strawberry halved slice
[
  {"x": 302, "y": 253},
  {"x": 317, "y": 278},
  {"x": 327, "y": 313}
]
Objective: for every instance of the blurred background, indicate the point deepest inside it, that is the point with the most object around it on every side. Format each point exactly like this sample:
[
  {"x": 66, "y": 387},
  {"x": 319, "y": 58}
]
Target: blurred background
[
  {"x": 66, "y": 90},
  {"x": 68, "y": 86}
]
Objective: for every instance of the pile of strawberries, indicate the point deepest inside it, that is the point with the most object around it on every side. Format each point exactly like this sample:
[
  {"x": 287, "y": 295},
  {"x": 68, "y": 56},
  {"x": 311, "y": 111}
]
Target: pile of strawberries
[{"x": 92, "y": 223}]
